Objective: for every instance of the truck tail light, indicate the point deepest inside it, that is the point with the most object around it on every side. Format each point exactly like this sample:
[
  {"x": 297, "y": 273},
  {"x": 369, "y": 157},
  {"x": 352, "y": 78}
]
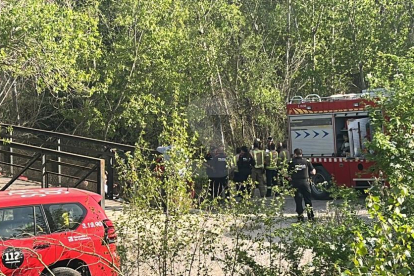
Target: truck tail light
[{"x": 110, "y": 232}]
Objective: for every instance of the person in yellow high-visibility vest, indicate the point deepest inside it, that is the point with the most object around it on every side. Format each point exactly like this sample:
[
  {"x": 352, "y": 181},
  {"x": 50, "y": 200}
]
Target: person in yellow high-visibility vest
[
  {"x": 284, "y": 158},
  {"x": 259, "y": 168},
  {"x": 234, "y": 170},
  {"x": 271, "y": 165},
  {"x": 65, "y": 219}
]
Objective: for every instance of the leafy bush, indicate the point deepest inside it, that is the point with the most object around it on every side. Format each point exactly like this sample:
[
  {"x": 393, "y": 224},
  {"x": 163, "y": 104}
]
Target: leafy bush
[{"x": 166, "y": 232}]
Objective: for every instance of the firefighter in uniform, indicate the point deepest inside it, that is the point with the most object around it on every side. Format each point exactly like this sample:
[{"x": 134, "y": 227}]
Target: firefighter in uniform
[
  {"x": 258, "y": 169},
  {"x": 283, "y": 162},
  {"x": 299, "y": 170},
  {"x": 234, "y": 170},
  {"x": 271, "y": 164}
]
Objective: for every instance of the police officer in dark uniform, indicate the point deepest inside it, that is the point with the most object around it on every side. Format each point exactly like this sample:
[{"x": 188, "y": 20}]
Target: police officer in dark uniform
[
  {"x": 221, "y": 172},
  {"x": 245, "y": 163},
  {"x": 210, "y": 169},
  {"x": 299, "y": 170}
]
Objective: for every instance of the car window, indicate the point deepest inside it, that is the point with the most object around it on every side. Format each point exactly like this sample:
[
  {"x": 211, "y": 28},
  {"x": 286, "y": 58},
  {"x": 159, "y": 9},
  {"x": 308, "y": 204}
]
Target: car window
[
  {"x": 64, "y": 217},
  {"x": 17, "y": 222},
  {"x": 41, "y": 225},
  {"x": 6, "y": 214}
]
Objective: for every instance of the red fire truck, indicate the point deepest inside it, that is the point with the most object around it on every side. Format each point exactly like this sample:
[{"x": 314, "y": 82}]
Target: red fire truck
[{"x": 332, "y": 132}]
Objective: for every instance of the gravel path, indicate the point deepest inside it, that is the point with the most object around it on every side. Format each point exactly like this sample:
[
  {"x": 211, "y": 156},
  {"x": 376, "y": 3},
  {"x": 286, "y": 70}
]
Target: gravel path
[
  {"x": 114, "y": 210},
  {"x": 321, "y": 209}
]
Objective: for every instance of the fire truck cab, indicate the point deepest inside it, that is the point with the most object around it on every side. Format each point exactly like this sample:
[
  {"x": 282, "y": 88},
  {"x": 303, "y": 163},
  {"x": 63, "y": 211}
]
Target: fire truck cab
[{"x": 332, "y": 132}]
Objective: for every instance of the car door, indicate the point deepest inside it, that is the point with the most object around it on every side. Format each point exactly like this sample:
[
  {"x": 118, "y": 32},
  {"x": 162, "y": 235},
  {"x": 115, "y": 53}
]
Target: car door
[
  {"x": 65, "y": 220},
  {"x": 25, "y": 246}
]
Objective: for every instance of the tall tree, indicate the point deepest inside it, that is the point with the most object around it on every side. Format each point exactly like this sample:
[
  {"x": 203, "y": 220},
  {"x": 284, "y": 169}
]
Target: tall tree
[{"x": 48, "y": 52}]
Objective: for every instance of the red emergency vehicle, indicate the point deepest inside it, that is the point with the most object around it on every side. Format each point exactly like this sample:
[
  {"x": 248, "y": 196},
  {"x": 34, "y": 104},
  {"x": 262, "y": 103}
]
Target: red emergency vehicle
[
  {"x": 55, "y": 231},
  {"x": 332, "y": 132}
]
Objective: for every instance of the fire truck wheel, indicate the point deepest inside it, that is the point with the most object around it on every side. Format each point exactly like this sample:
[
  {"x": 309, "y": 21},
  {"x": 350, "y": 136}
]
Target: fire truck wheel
[
  {"x": 65, "y": 271},
  {"x": 323, "y": 178}
]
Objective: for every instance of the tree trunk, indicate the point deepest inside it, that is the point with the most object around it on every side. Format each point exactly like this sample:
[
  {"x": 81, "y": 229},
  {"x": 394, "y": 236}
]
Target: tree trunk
[
  {"x": 361, "y": 75},
  {"x": 288, "y": 50},
  {"x": 15, "y": 103}
]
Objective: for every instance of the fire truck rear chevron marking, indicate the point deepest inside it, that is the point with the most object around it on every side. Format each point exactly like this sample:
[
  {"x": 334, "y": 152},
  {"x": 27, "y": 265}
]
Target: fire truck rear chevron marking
[{"x": 318, "y": 126}]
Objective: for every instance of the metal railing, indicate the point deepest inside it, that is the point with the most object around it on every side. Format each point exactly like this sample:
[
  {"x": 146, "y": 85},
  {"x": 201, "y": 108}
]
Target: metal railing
[
  {"x": 59, "y": 146},
  {"x": 43, "y": 155}
]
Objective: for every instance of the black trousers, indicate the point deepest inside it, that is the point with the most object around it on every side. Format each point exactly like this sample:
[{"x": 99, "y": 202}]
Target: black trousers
[
  {"x": 303, "y": 192},
  {"x": 271, "y": 180},
  {"x": 242, "y": 184},
  {"x": 217, "y": 185}
]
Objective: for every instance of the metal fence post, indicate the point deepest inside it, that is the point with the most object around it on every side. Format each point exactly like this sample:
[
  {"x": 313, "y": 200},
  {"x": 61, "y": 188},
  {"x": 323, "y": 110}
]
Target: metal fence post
[
  {"x": 59, "y": 166},
  {"x": 11, "y": 155},
  {"x": 101, "y": 181},
  {"x": 110, "y": 177},
  {"x": 44, "y": 176}
]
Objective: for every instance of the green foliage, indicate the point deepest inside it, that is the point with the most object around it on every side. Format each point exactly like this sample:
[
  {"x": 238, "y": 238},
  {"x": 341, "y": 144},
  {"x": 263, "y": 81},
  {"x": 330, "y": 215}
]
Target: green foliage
[
  {"x": 101, "y": 59},
  {"x": 51, "y": 45},
  {"x": 386, "y": 248},
  {"x": 48, "y": 56},
  {"x": 232, "y": 236},
  {"x": 161, "y": 72}
]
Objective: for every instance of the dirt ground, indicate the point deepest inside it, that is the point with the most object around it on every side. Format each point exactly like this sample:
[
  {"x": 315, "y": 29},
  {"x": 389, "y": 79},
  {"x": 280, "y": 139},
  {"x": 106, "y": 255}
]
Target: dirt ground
[
  {"x": 114, "y": 210},
  {"x": 321, "y": 208}
]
